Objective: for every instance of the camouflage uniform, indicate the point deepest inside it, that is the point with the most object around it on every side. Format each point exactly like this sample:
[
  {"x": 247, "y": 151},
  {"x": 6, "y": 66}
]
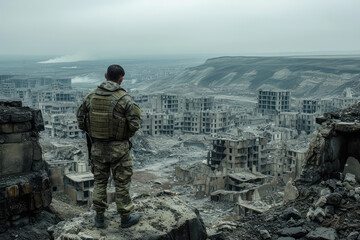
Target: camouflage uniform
[{"x": 112, "y": 153}]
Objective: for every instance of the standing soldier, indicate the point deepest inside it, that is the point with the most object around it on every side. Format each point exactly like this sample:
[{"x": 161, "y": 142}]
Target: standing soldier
[{"x": 110, "y": 117}]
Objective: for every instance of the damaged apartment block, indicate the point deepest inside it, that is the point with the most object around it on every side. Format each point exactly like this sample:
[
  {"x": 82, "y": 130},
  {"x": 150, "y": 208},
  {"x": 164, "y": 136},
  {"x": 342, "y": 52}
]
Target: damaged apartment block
[{"x": 24, "y": 184}]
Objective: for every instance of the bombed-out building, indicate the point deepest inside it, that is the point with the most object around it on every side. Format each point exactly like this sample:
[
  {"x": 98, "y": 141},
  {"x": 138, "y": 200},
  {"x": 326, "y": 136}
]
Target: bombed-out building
[{"x": 271, "y": 102}]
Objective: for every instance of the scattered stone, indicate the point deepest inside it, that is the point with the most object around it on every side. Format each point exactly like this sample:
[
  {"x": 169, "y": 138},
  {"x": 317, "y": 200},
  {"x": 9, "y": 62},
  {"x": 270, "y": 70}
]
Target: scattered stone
[
  {"x": 325, "y": 192},
  {"x": 357, "y": 197},
  {"x": 351, "y": 193},
  {"x": 350, "y": 178},
  {"x": 319, "y": 214},
  {"x": 70, "y": 237},
  {"x": 286, "y": 238},
  {"x": 310, "y": 214},
  {"x": 357, "y": 190},
  {"x": 291, "y": 192},
  {"x": 291, "y": 213},
  {"x": 321, "y": 202},
  {"x": 322, "y": 233},
  {"x": 295, "y": 232},
  {"x": 265, "y": 234},
  {"x": 334, "y": 199},
  {"x": 331, "y": 183}
]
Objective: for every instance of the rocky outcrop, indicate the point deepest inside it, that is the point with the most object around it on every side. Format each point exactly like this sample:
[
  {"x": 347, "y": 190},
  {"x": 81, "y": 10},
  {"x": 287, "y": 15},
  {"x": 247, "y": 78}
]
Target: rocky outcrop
[
  {"x": 24, "y": 184},
  {"x": 162, "y": 217}
]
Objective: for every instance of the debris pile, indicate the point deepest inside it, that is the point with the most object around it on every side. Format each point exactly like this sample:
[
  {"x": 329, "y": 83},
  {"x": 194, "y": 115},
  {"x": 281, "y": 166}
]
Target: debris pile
[
  {"x": 163, "y": 216},
  {"x": 325, "y": 201}
]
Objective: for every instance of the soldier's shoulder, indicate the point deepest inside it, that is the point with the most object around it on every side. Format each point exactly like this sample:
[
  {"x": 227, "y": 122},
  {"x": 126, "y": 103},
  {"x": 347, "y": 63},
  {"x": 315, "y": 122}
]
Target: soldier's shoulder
[{"x": 89, "y": 94}]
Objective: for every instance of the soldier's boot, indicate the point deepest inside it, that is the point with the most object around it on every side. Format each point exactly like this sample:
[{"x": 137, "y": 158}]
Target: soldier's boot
[
  {"x": 99, "y": 220},
  {"x": 130, "y": 220}
]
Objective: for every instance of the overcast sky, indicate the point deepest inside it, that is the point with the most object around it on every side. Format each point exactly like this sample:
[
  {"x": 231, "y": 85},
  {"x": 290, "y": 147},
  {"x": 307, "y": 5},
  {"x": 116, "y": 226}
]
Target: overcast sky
[{"x": 115, "y": 28}]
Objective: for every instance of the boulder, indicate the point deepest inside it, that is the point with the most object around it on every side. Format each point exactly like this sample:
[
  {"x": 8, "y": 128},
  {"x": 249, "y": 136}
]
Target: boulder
[
  {"x": 291, "y": 192},
  {"x": 296, "y": 232},
  {"x": 265, "y": 234},
  {"x": 350, "y": 178},
  {"x": 162, "y": 217}
]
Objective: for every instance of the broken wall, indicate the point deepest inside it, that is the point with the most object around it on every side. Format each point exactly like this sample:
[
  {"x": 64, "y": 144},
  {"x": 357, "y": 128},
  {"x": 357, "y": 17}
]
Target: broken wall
[
  {"x": 24, "y": 184},
  {"x": 337, "y": 140}
]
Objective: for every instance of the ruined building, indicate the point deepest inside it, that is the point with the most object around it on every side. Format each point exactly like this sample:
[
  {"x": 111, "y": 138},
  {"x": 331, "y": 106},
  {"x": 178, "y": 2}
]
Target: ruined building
[
  {"x": 273, "y": 101},
  {"x": 24, "y": 184},
  {"x": 335, "y": 146},
  {"x": 244, "y": 152}
]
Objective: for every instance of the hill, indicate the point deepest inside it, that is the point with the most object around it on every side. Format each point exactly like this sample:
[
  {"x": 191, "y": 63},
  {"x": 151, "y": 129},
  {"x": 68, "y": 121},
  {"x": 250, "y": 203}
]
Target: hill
[{"x": 306, "y": 76}]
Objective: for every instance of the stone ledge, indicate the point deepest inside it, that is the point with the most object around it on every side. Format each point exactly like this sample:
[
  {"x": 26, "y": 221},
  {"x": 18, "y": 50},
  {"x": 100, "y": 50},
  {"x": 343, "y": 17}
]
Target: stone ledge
[{"x": 162, "y": 217}]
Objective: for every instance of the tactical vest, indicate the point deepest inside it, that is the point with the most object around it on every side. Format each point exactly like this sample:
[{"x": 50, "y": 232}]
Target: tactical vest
[{"x": 102, "y": 124}]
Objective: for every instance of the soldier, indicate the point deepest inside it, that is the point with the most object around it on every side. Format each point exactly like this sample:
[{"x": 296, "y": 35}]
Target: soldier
[{"x": 110, "y": 117}]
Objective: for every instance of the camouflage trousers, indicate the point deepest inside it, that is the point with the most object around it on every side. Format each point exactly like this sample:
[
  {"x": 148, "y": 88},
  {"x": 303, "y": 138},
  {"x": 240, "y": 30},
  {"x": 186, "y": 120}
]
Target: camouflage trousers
[{"x": 115, "y": 156}]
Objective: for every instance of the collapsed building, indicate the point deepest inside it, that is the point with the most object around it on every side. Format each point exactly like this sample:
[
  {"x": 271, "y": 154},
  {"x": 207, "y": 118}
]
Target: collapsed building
[
  {"x": 324, "y": 202},
  {"x": 24, "y": 184},
  {"x": 336, "y": 143}
]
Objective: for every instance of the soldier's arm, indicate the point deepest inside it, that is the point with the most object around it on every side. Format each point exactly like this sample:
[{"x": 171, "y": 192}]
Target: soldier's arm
[
  {"x": 132, "y": 114},
  {"x": 82, "y": 112},
  {"x": 80, "y": 115}
]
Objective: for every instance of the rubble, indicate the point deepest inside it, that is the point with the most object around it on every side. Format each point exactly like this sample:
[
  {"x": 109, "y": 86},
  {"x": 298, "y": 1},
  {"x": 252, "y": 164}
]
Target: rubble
[
  {"x": 162, "y": 217},
  {"x": 328, "y": 204}
]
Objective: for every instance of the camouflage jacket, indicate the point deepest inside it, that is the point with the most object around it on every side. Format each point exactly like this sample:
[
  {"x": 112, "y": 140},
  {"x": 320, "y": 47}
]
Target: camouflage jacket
[{"x": 125, "y": 108}]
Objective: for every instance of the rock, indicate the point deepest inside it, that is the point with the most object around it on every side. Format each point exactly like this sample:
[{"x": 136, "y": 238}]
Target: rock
[
  {"x": 351, "y": 193},
  {"x": 291, "y": 192},
  {"x": 331, "y": 183},
  {"x": 291, "y": 213},
  {"x": 353, "y": 236},
  {"x": 296, "y": 232},
  {"x": 84, "y": 236},
  {"x": 334, "y": 199},
  {"x": 321, "y": 202},
  {"x": 350, "y": 178},
  {"x": 310, "y": 214},
  {"x": 357, "y": 190},
  {"x": 322, "y": 233},
  {"x": 162, "y": 217},
  {"x": 325, "y": 192},
  {"x": 348, "y": 186},
  {"x": 357, "y": 197},
  {"x": 352, "y": 166},
  {"x": 265, "y": 234},
  {"x": 286, "y": 238},
  {"x": 319, "y": 214},
  {"x": 70, "y": 237}
]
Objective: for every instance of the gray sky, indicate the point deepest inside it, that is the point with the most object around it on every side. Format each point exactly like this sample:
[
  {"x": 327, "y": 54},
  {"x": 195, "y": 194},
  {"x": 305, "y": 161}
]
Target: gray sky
[{"x": 115, "y": 28}]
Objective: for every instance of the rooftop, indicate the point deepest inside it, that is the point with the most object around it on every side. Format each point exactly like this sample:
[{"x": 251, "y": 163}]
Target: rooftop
[{"x": 80, "y": 177}]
